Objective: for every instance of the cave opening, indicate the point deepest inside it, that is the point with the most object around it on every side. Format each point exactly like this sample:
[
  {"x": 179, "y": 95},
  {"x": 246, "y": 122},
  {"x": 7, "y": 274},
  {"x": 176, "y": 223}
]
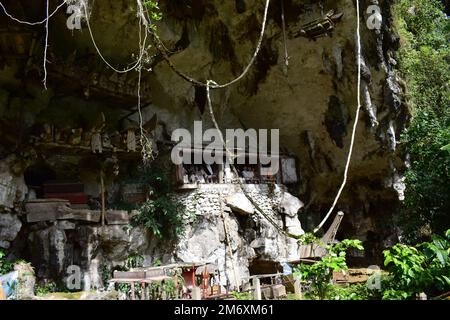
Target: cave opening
[{"x": 37, "y": 174}]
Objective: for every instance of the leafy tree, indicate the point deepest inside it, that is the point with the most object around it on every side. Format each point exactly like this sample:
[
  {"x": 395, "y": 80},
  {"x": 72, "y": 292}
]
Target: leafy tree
[
  {"x": 424, "y": 62},
  {"x": 423, "y": 268}
]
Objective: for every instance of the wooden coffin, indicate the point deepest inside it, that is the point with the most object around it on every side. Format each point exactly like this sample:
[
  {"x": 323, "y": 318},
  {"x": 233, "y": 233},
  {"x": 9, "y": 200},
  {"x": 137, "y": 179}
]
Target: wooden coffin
[
  {"x": 63, "y": 187},
  {"x": 45, "y": 209},
  {"x": 74, "y": 198},
  {"x": 57, "y": 209}
]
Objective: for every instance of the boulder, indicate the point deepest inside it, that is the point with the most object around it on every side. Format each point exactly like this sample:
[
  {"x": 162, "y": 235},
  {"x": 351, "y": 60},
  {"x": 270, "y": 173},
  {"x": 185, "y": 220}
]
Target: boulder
[
  {"x": 12, "y": 186},
  {"x": 266, "y": 293},
  {"x": 66, "y": 225},
  {"x": 239, "y": 203},
  {"x": 294, "y": 226},
  {"x": 26, "y": 280},
  {"x": 278, "y": 291},
  {"x": 117, "y": 217},
  {"x": 10, "y": 226},
  {"x": 290, "y": 204},
  {"x": 114, "y": 241}
]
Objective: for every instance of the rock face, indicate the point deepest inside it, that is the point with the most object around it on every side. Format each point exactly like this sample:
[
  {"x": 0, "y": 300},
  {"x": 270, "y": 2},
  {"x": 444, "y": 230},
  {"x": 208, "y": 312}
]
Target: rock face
[
  {"x": 54, "y": 250},
  {"x": 10, "y": 226},
  {"x": 212, "y": 229},
  {"x": 12, "y": 185},
  {"x": 207, "y": 240},
  {"x": 312, "y": 102},
  {"x": 238, "y": 202},
  {"x": 26, "y": 281}
]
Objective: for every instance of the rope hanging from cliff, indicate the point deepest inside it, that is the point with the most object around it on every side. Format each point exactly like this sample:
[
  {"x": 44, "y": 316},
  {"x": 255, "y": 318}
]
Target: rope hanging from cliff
[
  {"x": 46, "y": 20},
  {"x": 141, "y": 53},
  {"x": 230, "y": 250},
  {"x": 48, "y": 16},
  {"x": 355, "y": 124},
  {"x": 210, "y": 83},
  {"x": 46, "y": 46},
  {"x": 214, "y": 85},
  {"x": 286, "y": 54}
]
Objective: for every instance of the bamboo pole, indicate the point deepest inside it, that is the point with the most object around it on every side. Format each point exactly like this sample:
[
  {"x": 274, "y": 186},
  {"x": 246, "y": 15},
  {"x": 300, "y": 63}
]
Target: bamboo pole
[{"x": 102, "y": 190}]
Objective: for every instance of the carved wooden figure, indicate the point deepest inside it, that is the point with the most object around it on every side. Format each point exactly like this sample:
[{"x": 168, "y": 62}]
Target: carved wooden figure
[
  {"x": 96, "y": 142},
  {"x": 130, "y": 128}
]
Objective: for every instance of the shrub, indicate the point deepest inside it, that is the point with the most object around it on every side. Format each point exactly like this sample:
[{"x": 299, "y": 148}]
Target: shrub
[
  {"x": 320, "y": 273},
  {"x": 423, "y": 268},
  {"x": 161, "y": 214},
  {"x": 5, "y": 266}
]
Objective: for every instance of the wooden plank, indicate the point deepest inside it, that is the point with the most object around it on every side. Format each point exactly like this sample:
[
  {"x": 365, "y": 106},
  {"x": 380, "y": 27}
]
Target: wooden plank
[
  {"x": 45, "y": 209},
  {"x": 82, "y": 215},
  {"x": 133, "y": 297},
  {"x": 42, "y": 216},
  {"x": 129, "y": 275},
  {"x": 43, "y": 205},
  {"x": 154, "y": 273}
]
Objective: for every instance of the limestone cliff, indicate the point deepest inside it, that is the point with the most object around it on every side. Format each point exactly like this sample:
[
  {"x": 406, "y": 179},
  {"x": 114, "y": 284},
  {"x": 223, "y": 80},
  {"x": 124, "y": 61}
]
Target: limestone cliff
[{"x": 312, "y": 101}]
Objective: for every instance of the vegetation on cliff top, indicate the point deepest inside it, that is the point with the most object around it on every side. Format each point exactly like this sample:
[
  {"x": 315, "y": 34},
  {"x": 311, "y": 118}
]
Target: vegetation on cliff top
[{"x": 424, "y": 62}]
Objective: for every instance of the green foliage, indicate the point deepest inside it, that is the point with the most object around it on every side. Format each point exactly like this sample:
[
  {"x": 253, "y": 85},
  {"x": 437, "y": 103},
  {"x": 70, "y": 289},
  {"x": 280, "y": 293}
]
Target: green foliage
[
  {"x": 162, "y": 214},
  {"x": 424, "y": 62},
  {"x": 105, "y": 273},
  {"x": 423, "y": 268},
  {"x": 309, "y": 238},
  {"x": 163, "y": 290},
  {"x": 292, "y": 296},
  {"x": 5, "y": 266},
  {"x": 134, "y": 261},
  {"x": 153, "y": 12},
  {"x": 48, "y": 287},
  {"x": 157, "y": 263},
  {"x": 241, "y": 295},
  {"x": 357, "y": 291},
  {"x": 320, "y": 273}
]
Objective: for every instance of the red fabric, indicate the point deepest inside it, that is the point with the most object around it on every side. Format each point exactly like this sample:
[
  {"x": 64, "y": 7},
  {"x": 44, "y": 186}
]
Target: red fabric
[{"x": 73, "y": 198}]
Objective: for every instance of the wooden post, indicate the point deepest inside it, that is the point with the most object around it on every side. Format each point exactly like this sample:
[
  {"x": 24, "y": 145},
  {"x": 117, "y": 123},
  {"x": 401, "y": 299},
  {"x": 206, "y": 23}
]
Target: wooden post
[
  {"x": 2, "y": 292},
  {"x": 176, "y": 284},
  {"x": 102, "y": 190},
  {"x": 298, "y": 289},
  {"x": 133, "y": 297},
  {"x": 220, "y": 175},
  {"x": 257, "y": 289},
  {"x": 143, "y": 297},
  {"x": 193, "y": 276}
]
